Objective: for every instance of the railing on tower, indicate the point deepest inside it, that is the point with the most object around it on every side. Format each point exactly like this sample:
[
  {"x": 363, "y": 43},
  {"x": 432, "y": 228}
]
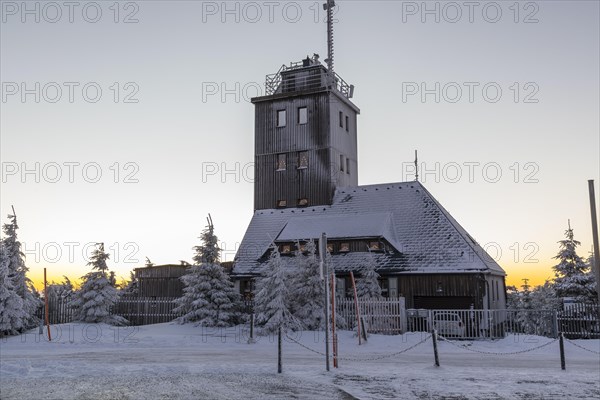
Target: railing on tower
[{"x": 319, "y": 79}]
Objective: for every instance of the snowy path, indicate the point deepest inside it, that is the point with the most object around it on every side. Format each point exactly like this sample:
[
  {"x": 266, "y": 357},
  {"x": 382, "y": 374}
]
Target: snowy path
[{"x": 178, "y": 362}]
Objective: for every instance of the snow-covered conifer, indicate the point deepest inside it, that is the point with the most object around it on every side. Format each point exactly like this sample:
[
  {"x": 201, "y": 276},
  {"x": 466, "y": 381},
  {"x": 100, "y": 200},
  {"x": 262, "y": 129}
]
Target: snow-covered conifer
[
  {"x": 573, "y": 277},
  {"x": 12, "y": 313},
  {"x": 96, "y": 296},
  {"x": 308, "y": 289},
  {"x": 18, "y": 273},
  {"x": 209, "y": 297},
  {"x": 272, "y": 297},
  {"x": 130, "y": 287},
  {"x": 367, "y": 285}
]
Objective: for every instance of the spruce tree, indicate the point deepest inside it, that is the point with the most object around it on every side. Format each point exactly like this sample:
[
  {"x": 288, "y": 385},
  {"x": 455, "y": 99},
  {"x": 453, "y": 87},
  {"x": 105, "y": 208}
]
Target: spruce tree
[
  {"x": 18, "y": 273},
  {"x": 308, "y": 289},
  {"x": 209, "y": 298},
  {"x": 130, "y": 287},
  {"x": 367, "y": 285},
  {"x": 12, "y": 314},
  {"x": 97, "y": 295},
  {"x": 271, "y": 302},
  {"x": 573, "y": 277}
]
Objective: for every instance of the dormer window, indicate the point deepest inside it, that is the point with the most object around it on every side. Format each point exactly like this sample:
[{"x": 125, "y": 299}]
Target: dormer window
[
  {"x": 374, "y": 246},
  {"x": 281, "y": 118}
]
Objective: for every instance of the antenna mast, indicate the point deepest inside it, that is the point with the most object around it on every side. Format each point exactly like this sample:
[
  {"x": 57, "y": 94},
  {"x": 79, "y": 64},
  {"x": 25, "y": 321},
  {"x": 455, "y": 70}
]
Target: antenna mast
[
  {"x": 329, "y": 8},
  {"x": 416, "y": 167}
]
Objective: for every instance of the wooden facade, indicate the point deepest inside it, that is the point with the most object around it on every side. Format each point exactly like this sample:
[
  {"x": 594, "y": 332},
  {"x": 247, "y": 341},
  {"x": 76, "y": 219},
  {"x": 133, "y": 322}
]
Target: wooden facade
[
  {"x": 326, "y": 140},
  {"x": 161, "y": 280}
]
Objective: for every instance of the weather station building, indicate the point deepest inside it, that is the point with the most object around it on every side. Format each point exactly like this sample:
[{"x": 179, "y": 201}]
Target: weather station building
[{"x": 306, "y": 183}]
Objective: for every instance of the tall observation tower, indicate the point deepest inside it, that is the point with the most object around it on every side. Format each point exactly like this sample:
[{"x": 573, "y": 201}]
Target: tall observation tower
[{"x": 305, "y": 133}]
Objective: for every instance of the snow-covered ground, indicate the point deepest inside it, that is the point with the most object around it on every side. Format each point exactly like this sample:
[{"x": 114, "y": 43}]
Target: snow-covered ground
[{"x": 168, "y": 361}]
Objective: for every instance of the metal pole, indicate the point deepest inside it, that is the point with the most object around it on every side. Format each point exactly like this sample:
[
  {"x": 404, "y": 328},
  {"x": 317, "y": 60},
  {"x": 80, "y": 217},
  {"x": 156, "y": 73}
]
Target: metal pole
[
  {"x": 435, "y": 348},
  {"x": 333, "y": 333},
  {"x": 251, "y": 340},
  {"x": 279, "y": 364},
  {"x": 562, "y": 352},
  {"x": 596, "y": 266},
  {"x": 323, "y": 255},
  {"x": 46, "y": 306}
]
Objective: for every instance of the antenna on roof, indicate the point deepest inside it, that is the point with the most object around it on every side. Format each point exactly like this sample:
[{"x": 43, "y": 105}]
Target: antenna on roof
[
  {"x": 416, "y": 167},
  {"x": 329, "y": 8}
]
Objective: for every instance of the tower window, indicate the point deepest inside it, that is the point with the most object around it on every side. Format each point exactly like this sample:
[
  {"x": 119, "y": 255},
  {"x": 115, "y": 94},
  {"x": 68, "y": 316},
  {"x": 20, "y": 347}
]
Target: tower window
[
  {"x": 341, "y": 119},
  {"x": 347, "y": 165},
  {"x": 302, "y": 115},
  {"x": 303, "y": 159},
  {"x": 281, "y": 162},
  {"x": 341, "y": 162},
  {"x": 281, "y": 203},
  {"x": 347, "y": 124},
  {"x": 303, "y": 202},
  {"x": 281, "y": 120}
]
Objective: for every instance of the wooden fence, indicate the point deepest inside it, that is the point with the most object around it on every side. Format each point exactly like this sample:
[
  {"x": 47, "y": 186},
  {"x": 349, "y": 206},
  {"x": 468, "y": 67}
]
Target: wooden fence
[
  {"x": 145, "y": 310},
  {"x": 137, "y": 310},
  {"x": 386, "y": 315},
  {"x": 59, "y": 310}
]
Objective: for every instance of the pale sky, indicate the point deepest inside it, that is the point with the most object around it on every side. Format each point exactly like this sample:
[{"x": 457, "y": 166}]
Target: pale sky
[{"x": 184, "y": 146}]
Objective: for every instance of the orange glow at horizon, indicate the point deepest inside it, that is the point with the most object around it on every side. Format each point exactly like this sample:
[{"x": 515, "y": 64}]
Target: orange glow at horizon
[{"x": 536, "y": 274}]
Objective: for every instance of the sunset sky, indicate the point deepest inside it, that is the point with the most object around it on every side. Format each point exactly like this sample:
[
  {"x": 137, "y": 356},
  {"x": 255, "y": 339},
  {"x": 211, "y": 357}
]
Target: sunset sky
[{"x": 502, "y": 103}]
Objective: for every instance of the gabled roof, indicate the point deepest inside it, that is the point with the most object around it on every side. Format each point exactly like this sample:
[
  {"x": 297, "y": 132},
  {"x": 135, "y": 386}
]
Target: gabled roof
[{"x": 427, "y": 238}]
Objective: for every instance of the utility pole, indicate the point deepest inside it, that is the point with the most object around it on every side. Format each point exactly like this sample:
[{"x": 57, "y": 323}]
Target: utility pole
[
  {"x": 325, "y": 275},
  {"x": 596, "y": 266}
]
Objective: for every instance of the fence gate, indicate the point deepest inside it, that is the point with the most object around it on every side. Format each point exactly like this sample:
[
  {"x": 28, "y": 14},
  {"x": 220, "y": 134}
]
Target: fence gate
[{"x": 386, "y": 315}]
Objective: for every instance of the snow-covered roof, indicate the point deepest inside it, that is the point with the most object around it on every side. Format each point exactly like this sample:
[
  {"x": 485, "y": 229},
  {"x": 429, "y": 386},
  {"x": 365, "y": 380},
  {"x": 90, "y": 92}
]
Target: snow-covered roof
[
  {"x": 368, "y": 225},
  {"x": 427, "y": 238}
]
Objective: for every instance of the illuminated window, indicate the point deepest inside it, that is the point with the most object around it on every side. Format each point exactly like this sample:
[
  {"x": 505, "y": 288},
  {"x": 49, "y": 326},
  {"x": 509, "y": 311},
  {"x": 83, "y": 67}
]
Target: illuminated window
[
  {"x": 281, "y": 203},
  {"x": 302, "y": 247},
  {"x": 341, "y": 119},
  {"x": 374, "y": 246},
  {"x": 344, "y": 247},
  {"x": 302, "y": 115},
  {"x": 281, "y": 120},
  {"x": 303, "y": 159},
  {"x": 303, "y": 202},
  {"x": 285, "y": 249},
  {"x": 347, "y": 124},
  {"x": 281, "y": 162},
  {"x": 341, "y": 162},
  {"x": 330, "y": 247}
]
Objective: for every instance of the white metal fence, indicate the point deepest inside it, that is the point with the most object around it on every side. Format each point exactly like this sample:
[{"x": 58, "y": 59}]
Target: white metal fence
[
  {"x": 386, "y": 315},
  {"x": 576, "y": 322}
]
